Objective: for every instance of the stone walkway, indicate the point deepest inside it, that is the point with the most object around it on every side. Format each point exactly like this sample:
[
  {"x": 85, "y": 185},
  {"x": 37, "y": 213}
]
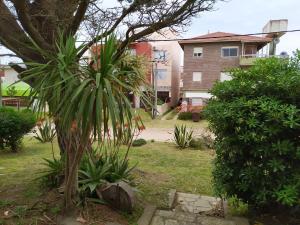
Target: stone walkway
[{"x": 190, "y": 209}]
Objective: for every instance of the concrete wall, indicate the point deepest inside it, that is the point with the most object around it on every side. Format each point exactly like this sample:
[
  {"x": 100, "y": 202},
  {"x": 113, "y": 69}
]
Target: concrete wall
[{"x": 174, "y": 58}]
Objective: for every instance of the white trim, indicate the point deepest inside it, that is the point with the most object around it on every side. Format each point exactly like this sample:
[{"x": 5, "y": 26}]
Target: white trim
[
  {"x": 197, "y": 52},
  {"x": 190, "y": 94},
  {"x": 230, "y": 47}
]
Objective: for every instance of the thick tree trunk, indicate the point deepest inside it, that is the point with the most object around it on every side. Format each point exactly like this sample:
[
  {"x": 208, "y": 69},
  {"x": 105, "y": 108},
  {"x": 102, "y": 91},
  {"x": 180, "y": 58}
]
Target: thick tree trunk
[{"x": 72, "y": 150}]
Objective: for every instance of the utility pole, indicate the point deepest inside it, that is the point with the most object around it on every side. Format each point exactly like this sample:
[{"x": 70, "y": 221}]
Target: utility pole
[
  {"x": 154, "y": 81},
  {"x": 159, "y": 57}
]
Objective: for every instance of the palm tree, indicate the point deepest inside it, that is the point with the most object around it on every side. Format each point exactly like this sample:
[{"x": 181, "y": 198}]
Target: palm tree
[{"x": 85, "y": 99}]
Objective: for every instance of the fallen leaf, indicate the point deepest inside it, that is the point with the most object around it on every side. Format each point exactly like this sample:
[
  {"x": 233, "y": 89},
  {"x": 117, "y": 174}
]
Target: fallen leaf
[
  {"x": 6, "y": 213},
  {"x": 81, "y": 220}
]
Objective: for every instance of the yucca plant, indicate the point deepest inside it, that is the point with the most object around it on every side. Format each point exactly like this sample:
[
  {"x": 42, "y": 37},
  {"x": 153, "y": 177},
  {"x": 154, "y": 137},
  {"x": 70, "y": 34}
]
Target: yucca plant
[
  {"x": 53, "y": 175},
  {"x": 183, "y": 136},
  {"x": 103, "y": 167},
  {"x": 45, "y": 131},
  {"x": 92, "y": 174},
  {"x": 86, "y": 100}
]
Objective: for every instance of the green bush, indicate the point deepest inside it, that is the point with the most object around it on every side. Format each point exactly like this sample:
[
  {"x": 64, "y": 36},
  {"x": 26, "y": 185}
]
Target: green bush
[
  {"x": 139, "y": 142},
  {"x": 185, "y": 116},
  {"x": 203, "y": 142},
  {"x": 13, "y": 126},
  {"x": 237, "y": 207},
  {"x": 99, "y": 168},
  {"x": 197, "y": 143},
  {"x": 53, "y": 175},
  {"x": 183, "y": 136},
  {"x": 256, "y": 120}
]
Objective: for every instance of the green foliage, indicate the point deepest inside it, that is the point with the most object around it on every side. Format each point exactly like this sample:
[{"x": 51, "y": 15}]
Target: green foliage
[
  {"x": 256, "y": 120},
  {"x": 53, "y": 175},
  {"x": 88, "y": 98},
  {"x": 197, "y": 143},
  {"x": 11, "y": 91},
  {"x": 13, "y": 126},
  {"x": 182, "y": 136},
  {"x": 237, "y": 207},
  {"x": 139, "y": 142},
  {"x": 92, "y": 174},
  {"x": 185, "y": 116},
  {"x": 45, "y": 132},
  {"x": 98, "y": 169}
]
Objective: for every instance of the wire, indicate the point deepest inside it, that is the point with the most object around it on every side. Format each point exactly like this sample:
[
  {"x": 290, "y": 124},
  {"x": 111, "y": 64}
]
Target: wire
[{"x": 201, "y": 38}]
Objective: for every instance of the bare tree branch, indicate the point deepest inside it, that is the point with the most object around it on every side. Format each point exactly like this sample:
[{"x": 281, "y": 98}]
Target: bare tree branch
[
  {"x": 78, "y": 17},
  {"x": 22, "y": 12}
]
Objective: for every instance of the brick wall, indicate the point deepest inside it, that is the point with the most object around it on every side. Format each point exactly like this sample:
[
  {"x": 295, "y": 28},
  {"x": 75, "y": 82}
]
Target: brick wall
[{"x": 211, "y": 64}]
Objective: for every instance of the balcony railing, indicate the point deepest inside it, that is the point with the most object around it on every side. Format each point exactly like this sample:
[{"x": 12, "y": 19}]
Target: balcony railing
[{"x": 248, "y": 60}]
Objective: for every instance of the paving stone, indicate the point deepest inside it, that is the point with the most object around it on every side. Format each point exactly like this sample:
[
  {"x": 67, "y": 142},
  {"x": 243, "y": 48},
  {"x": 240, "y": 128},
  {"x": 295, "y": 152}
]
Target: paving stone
[
  {"x": 172, "y": 222},
  {"x": 157, "y": 220},
  {"x": 165, "y": 213},
  {"x": 148, "y": 213},
  {"x": 206, "y": 220},
  {"x": 183, "y": 216}
]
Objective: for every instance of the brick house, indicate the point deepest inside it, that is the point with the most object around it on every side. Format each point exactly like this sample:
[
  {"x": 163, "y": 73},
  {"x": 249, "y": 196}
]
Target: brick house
[{"x": 207, "y": 59}]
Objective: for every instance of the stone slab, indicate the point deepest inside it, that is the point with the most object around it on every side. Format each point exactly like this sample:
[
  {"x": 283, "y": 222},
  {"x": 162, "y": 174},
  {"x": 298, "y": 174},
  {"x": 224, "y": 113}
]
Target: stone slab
[{"x": 148, "y": 213}]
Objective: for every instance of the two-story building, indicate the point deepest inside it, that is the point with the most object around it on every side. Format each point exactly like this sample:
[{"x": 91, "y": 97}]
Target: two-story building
[
  {"x": 164, "y": 59},
  {"x": 208, "y": 58}
]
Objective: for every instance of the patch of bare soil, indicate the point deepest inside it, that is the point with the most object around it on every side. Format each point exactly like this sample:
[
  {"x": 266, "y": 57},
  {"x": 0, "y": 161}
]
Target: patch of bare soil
[{"x": 46, "y": 209}]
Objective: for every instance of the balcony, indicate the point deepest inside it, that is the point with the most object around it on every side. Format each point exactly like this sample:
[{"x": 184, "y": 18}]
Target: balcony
[{"x": 248, "y": 60}]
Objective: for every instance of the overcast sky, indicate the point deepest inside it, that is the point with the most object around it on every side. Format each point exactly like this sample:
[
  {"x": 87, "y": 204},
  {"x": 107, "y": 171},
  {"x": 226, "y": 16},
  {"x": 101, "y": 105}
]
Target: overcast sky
[
  {"x": 250, "y": 16},
  {"x": 242, "y": 17}
]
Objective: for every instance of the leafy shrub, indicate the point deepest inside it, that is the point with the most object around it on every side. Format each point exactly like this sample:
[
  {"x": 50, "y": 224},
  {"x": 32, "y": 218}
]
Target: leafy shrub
[
  {"x": 182, "y": 136},
  {"x": 11, "y": 91},
  {"x": 256, "y": 120},
  {"x": 197, "y": 143},
  {"x": 45, "y": 132},
  {"x": 139, "y": 142},
  {"x": 53, "y": 175},
  {"x": 13, "y": 126},
  {"x": 185, "y": 116},
  {"x": 101, "y": 168},
  {"x": 237, "y": 207}
]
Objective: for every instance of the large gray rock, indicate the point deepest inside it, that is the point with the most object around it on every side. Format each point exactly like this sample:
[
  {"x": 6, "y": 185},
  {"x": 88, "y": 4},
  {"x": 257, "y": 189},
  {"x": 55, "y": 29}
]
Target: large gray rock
[{"x": 119, "y": 196}]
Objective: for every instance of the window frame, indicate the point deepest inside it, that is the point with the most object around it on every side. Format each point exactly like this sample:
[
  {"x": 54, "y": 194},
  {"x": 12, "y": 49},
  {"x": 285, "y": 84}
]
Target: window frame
[
  {"x": 158, "y": 51},
  {"x": 196, "y": 56},
  {"x": 200, "y": 76},
  {"x": 230, "y": 47}
]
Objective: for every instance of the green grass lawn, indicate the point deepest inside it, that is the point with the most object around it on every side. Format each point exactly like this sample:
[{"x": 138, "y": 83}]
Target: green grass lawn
[{"x": 160, "y": 167}]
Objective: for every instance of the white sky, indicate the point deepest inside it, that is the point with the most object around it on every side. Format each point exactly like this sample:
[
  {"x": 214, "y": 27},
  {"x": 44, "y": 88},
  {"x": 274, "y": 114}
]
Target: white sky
[{"x": 242, "y": 17}]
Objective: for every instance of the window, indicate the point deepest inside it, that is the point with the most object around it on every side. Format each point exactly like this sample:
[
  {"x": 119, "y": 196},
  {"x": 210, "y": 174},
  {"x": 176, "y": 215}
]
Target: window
[
  {"x": 160, "y": 55},
  {"x": 197, "y": 76},
  {"x": 198, "y": 52},
  {"x": 230, "y": 51},
  {"x": 161, "y": 74},
  {"x": 225, "y": 76}
]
